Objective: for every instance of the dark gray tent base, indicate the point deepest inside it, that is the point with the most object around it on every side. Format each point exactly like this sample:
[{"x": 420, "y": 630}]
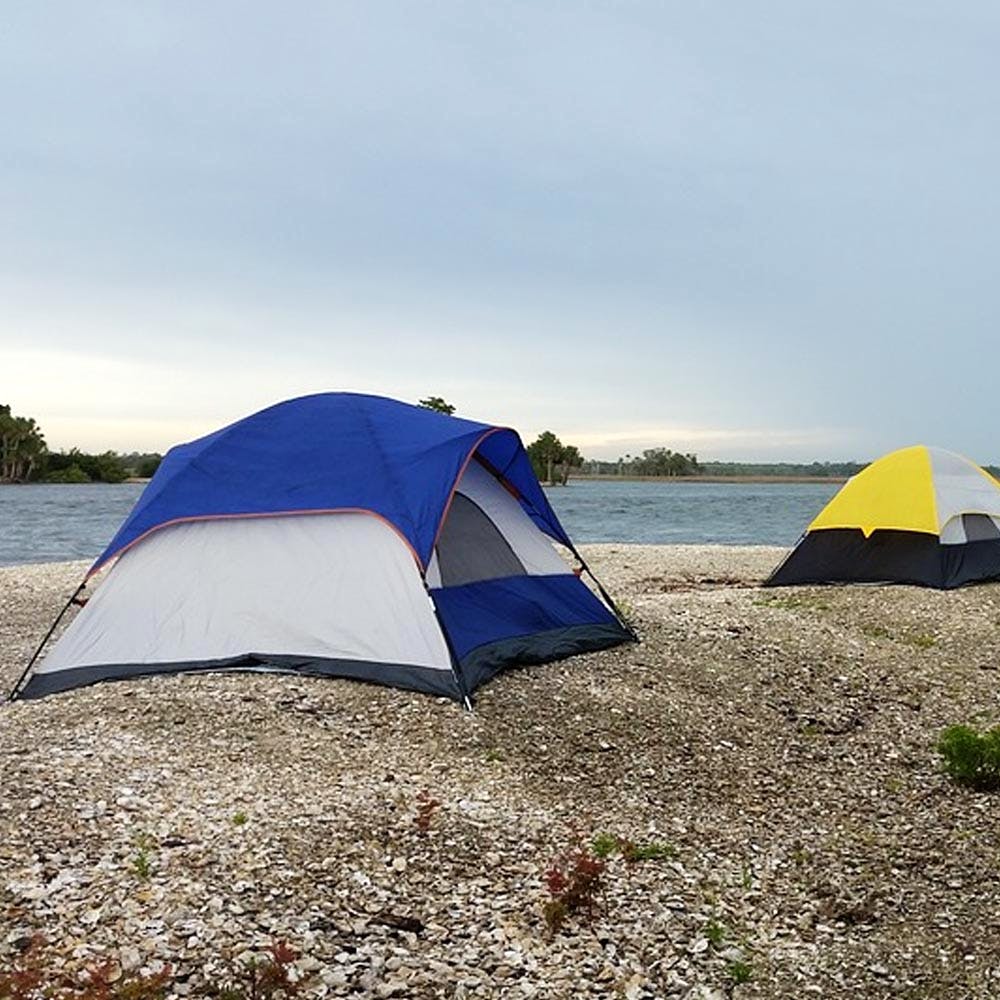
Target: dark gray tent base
[
  {"x": 845, "y": 555},
  {"x": 478, "y": 666},
  {"x": 428, "y": 681},
  {"x": 487, "y": 661}
]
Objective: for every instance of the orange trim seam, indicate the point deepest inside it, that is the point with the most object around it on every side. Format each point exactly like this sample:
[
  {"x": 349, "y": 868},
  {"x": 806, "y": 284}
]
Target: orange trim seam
[{"x": 97, "y": 567}]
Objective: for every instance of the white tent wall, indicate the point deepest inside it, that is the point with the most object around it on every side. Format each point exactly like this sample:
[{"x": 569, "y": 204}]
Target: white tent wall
[
  {"x": 961, "y": 487},
  {"x": 329, "y": 586},
  {"x": 532, "y": 547}
]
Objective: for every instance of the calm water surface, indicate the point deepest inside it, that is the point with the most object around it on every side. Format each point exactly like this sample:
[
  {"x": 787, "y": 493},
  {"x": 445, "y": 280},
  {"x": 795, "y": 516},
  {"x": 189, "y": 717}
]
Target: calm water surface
[
  {"x": 41, "y": 523},
  {"x": 699, "y": 513}
]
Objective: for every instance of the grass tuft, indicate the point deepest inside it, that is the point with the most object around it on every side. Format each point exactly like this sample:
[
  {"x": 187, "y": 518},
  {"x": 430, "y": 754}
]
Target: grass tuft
[
  {"x": 739, "y": 972},
  {"x": 971, "y": 758}
]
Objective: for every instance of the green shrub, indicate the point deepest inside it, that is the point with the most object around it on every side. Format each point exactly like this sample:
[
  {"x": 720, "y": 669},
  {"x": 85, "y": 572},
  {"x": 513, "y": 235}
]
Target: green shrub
[
  {"x": 71, "y": 474},
  {"x": 148, "y": 466},
  {"x": 972, "y": 758}
]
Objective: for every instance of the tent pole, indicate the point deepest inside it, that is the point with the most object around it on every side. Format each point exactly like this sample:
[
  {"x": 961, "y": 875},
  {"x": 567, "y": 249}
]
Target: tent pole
[
  {"x": 788, "y": 555},
  {"x": 608, "y": 599},
  {"x": 455, "y": 668},
  {"x": 48, "y": 635}
]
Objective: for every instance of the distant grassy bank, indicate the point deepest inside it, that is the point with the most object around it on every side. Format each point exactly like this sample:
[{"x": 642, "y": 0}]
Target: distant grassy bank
[{"x": 734, "y": 479}]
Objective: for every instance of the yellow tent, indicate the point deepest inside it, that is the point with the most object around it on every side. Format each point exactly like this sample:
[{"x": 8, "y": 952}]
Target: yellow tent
[{"x": 918, "y": 515}]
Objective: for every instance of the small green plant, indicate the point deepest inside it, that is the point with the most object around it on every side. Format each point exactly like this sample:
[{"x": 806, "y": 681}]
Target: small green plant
[
  {"x": 141, "y": 862},
  {"x": 715, "y": 932},
  {"x": 493, "y": 756},
  {"x": 746, "y": 876},
  {"x": 604, "y": 845},
  {"x": 876, "y": 632},
  {"x": 922, "y": 641},
  {"x": 972, "y": 758},
  {"x": 653, "y": 851},
  {"x": 141, "y": 865},
  {"x": 239, "y": 818},
  {"x": 739, "y": 972},
  {"x": 797, "y": 602}
]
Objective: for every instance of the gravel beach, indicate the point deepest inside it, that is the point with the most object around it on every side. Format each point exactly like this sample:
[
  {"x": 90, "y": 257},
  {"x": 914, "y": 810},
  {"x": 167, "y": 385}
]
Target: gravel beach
[{"x": 776, "y": 748}]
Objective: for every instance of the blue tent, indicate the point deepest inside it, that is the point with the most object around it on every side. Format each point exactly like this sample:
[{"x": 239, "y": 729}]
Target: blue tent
[{"x": 405, "y": 504}]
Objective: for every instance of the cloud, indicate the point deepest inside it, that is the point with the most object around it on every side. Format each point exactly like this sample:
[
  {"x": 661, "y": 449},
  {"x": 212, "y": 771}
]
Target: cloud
[{"x": 658, "y": 224}]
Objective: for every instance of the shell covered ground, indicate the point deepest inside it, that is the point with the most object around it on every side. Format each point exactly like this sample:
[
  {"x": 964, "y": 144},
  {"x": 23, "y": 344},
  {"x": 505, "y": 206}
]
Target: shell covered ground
[{"x": 770, "y": 754}]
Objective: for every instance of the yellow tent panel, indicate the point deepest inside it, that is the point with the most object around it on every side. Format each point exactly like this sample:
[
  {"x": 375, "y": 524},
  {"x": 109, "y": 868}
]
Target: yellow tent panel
[{"x": 896, "y": 492}]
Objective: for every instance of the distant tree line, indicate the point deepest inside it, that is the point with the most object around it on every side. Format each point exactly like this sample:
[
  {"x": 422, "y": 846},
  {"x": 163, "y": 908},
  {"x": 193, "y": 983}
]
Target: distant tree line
[
  {"x": 652, "y": 462},
  {"x": 820, "y": 470},
  {"x": 662, "y": 462},
  {"x": 25, "y": 458},
  {"x": 75, "y": 466}
]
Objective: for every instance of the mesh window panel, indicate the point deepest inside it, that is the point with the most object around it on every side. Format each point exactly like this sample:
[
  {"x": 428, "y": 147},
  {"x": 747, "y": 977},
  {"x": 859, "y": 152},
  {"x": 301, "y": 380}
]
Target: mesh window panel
[
  {"x": 471, "y": 548},
  {"x": 979, "y": 527}
]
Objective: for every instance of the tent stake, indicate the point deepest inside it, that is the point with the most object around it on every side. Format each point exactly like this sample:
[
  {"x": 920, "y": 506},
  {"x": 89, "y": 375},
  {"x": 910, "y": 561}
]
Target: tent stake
[{"x": 48, "y": 635}]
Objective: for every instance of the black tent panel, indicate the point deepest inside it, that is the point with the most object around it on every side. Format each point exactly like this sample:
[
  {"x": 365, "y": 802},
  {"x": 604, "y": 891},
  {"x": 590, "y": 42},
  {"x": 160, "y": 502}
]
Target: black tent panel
[
  {"x": 846, "y": 555},
  {"x": 972, "y": 562}
]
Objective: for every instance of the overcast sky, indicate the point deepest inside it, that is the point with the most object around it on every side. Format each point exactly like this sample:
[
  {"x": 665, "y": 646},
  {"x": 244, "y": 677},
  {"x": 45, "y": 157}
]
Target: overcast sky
[{"x": 761, "y": 231}]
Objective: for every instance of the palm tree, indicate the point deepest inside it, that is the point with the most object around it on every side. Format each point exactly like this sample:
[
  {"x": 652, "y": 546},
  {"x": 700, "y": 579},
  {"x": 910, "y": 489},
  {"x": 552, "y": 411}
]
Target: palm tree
[{"x": 22, "y": 447}]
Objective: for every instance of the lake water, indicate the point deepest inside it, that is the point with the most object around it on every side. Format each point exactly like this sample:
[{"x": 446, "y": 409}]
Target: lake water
[
  {"x": 689, "y": 512},
  {"x": 40, "y": 523}
]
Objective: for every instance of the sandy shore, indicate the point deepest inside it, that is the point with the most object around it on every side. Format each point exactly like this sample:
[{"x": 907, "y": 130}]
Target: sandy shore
[{"x": 781, "y": 744}]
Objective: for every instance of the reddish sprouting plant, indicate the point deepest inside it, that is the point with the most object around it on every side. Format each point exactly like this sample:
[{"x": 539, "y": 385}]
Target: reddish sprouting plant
[
  {"x": 556, "y": 881},
  {"x": 573, "y": 881},
  {"x": 30, "y": 977},
  {"x": 267, "y": 978},
  {"x": 105, "y": 981},
  {"x": 33, "y": 976},
  {"x": 427, "y": 806},
  {"x": 23, "y": 978}
]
